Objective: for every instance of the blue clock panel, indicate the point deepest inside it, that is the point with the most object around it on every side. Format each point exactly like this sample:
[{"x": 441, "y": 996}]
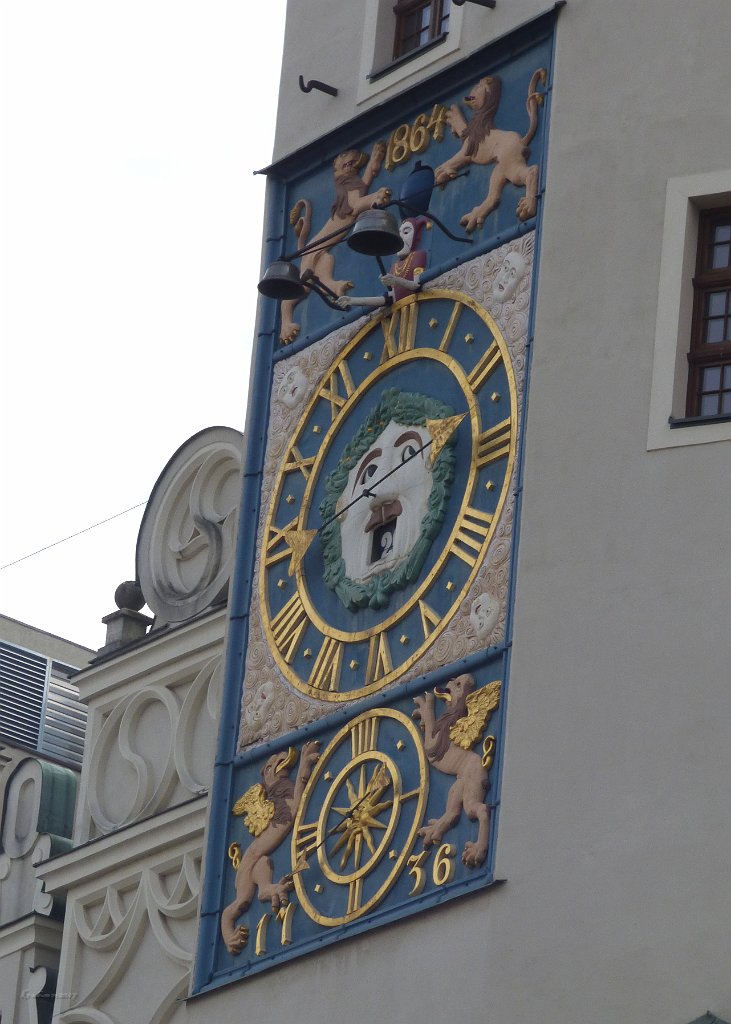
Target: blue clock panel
[{"x": 368, "y": 653}]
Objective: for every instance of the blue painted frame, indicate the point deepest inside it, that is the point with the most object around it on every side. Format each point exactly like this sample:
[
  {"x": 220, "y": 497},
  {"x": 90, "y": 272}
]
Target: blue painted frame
[{"x": 285, "y": 180}]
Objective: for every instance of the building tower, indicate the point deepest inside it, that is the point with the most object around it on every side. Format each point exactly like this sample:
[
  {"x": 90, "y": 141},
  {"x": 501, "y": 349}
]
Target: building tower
[{"x": 472, "y": 716}]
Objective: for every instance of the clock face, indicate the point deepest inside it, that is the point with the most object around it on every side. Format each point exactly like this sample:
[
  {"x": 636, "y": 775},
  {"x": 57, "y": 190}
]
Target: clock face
[
  {"x": 388, "y": 496},
  {"x": 359, "y": 816}
]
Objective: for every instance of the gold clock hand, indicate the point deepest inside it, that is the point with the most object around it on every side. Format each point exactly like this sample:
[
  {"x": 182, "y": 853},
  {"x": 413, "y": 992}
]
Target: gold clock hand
[{"x": 440, "y": 430}]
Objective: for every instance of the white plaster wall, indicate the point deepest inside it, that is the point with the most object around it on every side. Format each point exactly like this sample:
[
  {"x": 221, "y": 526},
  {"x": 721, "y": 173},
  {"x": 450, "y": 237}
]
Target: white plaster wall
[{"x": 337, "y": 44}]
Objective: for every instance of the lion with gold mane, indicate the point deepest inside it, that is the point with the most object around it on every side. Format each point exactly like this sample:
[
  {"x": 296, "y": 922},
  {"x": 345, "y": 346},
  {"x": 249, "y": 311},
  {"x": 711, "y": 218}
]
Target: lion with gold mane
[
  {"x": 268, "y": 809},
  {"x": 448, "y": 742},
  {"x": 484, "y": 144}
]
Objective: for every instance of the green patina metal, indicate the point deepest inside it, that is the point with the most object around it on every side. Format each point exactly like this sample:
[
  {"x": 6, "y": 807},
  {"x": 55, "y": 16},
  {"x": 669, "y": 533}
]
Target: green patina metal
[
  {"x": 58, "y": 799},
  {"x": 405, "y": 408}
]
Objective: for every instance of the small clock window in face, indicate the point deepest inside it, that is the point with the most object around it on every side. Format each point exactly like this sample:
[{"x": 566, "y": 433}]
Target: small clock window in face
[{"x": 393, "y": 479}]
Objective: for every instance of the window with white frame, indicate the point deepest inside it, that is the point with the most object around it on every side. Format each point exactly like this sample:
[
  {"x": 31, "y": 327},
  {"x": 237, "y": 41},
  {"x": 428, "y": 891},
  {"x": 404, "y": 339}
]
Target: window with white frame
[{"x": 689, "y": 401}]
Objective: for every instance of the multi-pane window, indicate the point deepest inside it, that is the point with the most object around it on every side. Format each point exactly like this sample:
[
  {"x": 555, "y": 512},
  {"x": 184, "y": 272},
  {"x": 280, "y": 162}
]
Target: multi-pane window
[
  {"x": 709, "y": 358},
  {"x": 419, "y": 22}
]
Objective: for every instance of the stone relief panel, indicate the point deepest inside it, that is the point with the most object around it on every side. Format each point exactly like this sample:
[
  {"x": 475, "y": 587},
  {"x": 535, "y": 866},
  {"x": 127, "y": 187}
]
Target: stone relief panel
[
  {"x": 143, "y": 926},
  {"x": 153, "y": 749},
  {"x": 500, "y": 281},
  {"x": 185, "y": 547}
]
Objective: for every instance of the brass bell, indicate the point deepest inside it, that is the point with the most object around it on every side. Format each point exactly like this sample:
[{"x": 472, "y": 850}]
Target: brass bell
[
  {"x": 375, "y": 233},
  {"x": 282, "y": 281}
]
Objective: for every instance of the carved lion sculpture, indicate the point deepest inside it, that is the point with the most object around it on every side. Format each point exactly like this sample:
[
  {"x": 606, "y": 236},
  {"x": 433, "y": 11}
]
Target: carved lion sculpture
[
  {"x": 448, "y": 741},
  {"x": 351, "y": 199},
  {"x": 268, "y": 809},
  {"x": 484, "y": 144}
]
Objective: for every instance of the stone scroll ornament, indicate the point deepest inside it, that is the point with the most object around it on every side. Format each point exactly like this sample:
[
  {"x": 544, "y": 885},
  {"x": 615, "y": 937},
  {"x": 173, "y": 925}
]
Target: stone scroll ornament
[
  {"x": 268, "y": 809},
  {"x": 448, "y": 741},
  {"x": 352, "y": 197},
  {"x": 483, "y": 144}
]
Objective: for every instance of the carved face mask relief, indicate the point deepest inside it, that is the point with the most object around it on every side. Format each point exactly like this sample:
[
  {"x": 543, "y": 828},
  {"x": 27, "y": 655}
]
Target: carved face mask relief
[
  {"x": 395, "y": 479},
  {"x": 509, "y": 277}
]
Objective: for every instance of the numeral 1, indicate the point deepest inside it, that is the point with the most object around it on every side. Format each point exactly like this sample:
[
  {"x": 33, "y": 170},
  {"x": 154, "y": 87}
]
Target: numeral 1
[
  {"x": 399, "y": 331},
  {"x": 490, "y": 358},
  {"x": 451, "y": 325},
  {"x": 364, "y": 736},
  {"x": 288, "y": 626},
  {"x": 492, "y": 444},
  {"x": 429, "y": 618},
  {"x": 328, "y": 664},
  {"x": 473, "y": 529},
  {"x": 379, "y": 659},
  {"x": 355, "y": 895},
  {"x": 306, "y": 841},
  {"x": 284, "y": 915}
]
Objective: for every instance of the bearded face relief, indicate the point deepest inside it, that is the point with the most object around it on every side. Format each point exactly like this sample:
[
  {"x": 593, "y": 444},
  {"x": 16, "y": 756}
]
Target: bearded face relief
[
  {"x": 386, "y": 501},
  {"x": 393, "y": 480}
]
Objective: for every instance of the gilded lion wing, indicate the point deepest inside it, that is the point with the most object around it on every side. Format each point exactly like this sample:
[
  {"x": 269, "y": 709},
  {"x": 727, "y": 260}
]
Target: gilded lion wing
[
  {"x": 467, "y": 730},
  {"x": 256, "y": 808}
]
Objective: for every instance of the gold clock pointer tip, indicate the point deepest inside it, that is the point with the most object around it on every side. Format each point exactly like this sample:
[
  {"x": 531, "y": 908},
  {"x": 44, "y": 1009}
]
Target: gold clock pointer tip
[
  {"x": 441, "y": 431},
  {"x": 298, "y": 541}
]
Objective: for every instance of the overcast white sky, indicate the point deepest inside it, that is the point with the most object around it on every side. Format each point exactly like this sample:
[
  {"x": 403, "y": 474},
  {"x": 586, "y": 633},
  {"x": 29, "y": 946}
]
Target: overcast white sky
[{"x": 130, "y": 240}]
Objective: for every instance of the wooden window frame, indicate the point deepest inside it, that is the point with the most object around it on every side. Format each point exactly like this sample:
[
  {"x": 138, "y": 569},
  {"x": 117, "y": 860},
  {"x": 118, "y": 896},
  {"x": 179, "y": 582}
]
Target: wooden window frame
[
  {"x": 403, "y": 9},
  {"x": 702, "y": 354}
]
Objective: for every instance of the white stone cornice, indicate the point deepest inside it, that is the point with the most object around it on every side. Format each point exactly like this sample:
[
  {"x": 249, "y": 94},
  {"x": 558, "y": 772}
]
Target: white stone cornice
[
  {"x": 182, "y": 646},
  {"x": 28, "y": 932},
  {"x": 111, "y": 858}
]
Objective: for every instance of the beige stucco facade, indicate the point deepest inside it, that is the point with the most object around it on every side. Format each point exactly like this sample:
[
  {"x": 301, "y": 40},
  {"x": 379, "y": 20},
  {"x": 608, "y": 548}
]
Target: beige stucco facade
[{"x": 614, "y": 844}]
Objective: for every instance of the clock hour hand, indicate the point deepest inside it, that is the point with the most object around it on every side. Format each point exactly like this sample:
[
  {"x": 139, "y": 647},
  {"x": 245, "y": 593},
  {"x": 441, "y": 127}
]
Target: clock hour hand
[{"x": 440, "y": 431}]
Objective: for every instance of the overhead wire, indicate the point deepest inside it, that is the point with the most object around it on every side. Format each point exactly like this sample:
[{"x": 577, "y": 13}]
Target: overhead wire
[{"x": 72, "y": 535}]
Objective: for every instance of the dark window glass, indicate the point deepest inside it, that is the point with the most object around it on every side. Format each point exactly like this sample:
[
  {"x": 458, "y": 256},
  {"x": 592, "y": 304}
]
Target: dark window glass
[
  {"x": 709, "y": 358},
  {"x": 418, "y": 22}
]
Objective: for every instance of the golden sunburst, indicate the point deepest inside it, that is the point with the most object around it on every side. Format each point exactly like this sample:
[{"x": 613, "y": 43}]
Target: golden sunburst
[{"x": 361, "y": 817}]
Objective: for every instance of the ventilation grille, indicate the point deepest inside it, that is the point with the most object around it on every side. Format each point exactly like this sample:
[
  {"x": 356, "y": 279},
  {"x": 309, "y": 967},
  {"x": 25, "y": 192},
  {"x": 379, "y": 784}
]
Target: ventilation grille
[
  {"x": 64, "y": 721},
  {"x": 22, "y": 689},
  {"x": 39, "y": 706}
]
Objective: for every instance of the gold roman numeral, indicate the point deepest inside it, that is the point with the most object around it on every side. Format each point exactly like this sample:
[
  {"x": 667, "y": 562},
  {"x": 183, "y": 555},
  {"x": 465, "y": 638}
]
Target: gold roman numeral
[
  {"x": 325, "y": 673},
  {"x": 379, "y": 659},
  {"x": 296, "y": 461},
  {"x": 364, "y": 735},
  {"x": 277, "y": 545},
  {"x": 355, "y": 895},
  {"x": 330, "y": 390},
  {"x": 399, "y": 331},
  {"x": 490, "y": 359},
  {"x": 306, "y": 840},
  {"x": 447, "y": 336},
  {"x": 288, "y": 627},
  {"x": 429, "y": 618},
  {"x": 492, "y": 444},
  {"x": 473, "y": 529}
]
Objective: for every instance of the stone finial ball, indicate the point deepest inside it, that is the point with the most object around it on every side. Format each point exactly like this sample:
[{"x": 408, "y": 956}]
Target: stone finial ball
[{"x": 129, "y": 595}]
